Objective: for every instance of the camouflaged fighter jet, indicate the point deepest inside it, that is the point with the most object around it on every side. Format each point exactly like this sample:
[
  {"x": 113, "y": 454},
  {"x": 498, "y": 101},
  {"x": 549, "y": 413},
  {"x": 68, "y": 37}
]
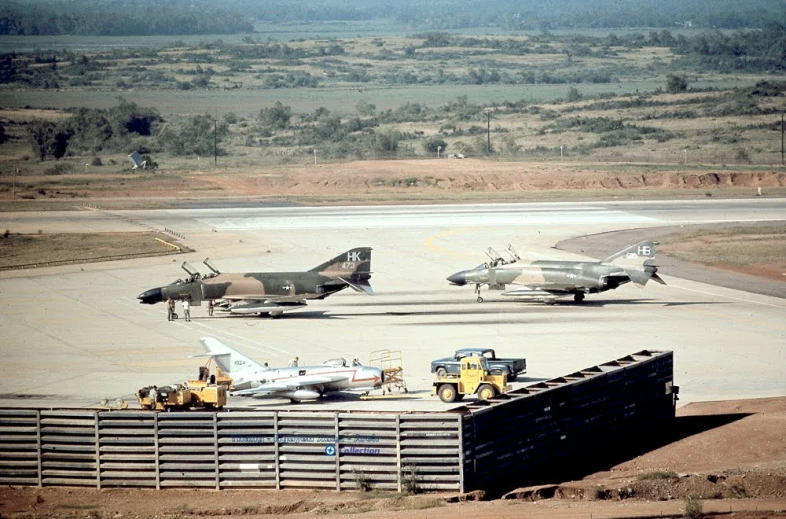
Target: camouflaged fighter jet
[
  {"x": 547, "y": 280},
  {"x": 268, "y": 293}
]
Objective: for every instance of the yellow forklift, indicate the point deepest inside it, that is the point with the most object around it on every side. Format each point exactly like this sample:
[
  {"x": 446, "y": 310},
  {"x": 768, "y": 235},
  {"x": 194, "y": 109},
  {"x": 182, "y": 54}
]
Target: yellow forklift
[{"x": 475, "y": 378}]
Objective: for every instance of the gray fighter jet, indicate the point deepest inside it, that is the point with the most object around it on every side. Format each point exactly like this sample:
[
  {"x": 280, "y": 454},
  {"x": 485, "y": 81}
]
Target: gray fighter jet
[
  {"x": 268, "y": 293},
  {"x": 297, "y": 383},
  {"x": 547, "y": 280}
]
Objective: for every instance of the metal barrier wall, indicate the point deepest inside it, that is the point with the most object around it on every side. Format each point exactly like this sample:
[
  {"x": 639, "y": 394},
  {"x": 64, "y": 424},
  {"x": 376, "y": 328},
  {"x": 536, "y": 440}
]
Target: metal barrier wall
[
  {"x": 547, "y": 427},
  {"x": 474, "y": 446},
  {"x": 230, "y": 449}
]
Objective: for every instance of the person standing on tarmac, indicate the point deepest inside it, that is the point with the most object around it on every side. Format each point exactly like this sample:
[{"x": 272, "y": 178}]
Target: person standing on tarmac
[
  {"x": 170, "y": 309},
  {"x": 186, "y": 310},
  {"x": 210, "y": 307},
  {"x": 153, "y": 395}
]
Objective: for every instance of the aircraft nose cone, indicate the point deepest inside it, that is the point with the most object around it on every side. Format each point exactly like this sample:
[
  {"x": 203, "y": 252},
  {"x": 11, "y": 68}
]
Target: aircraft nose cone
[
  {"x": 459, "y": 278},
  {"x": 151, "y": 296}
]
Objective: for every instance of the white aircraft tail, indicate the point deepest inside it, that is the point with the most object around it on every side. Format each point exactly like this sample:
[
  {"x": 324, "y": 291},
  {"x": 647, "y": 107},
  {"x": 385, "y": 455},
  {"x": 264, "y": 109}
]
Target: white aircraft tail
[
  {"x": 229, "y": 360},
  {"x": 638, "y": 262}
]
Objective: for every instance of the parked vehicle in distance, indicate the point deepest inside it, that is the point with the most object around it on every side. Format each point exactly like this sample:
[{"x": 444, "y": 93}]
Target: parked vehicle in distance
[{"x": 452, "y": 365}]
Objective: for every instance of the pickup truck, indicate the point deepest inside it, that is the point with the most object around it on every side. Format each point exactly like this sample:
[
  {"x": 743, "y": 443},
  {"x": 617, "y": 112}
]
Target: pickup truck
[{"x": 452, "y": 365}]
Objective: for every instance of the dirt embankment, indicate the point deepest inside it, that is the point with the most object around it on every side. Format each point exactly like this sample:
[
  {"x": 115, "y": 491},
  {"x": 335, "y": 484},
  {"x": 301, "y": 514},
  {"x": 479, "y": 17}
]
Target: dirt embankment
[
  {"x": 473, "y": 176},
  {"x": 380, "y": 181}
]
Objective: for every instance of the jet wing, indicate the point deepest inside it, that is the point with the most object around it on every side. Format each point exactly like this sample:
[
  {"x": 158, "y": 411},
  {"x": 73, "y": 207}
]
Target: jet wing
[
  {"x": 292, "y": 383},
  {"x": 269, "y": 304},
  {"x": 542, "y": 291}
]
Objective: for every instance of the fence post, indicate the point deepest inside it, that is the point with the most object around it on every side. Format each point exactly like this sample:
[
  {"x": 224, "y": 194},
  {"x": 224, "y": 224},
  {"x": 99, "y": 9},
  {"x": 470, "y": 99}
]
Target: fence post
[
  {"x": 38, "y": 446},
  {"x": 398, "y": 452},
  {"x": 460, "y": 419},
  {"x": 98, "y": 451},
  {"x": 155, "y": 450},
  {"x": 275, "y": 451},
  {"x": 338, "y": 450},
  {"x": 215, "y": 445}
]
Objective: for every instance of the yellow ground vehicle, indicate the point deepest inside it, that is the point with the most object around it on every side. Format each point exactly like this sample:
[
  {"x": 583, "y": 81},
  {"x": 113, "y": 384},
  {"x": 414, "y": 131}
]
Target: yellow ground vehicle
[
  {"x": 208, "y": 392},
  {"x": 474, "y": 378}
]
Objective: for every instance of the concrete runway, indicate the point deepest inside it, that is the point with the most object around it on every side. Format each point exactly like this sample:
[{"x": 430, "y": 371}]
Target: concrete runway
[{"x": 72, "y": 335}]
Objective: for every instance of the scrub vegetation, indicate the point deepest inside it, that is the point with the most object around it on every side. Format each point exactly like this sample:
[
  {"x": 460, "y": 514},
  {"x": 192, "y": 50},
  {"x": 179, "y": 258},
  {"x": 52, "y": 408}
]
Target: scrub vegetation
[{"x": 566, "y": 100}]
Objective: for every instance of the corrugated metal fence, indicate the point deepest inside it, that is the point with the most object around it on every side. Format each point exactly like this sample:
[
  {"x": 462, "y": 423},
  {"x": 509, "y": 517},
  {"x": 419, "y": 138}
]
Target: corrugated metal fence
[{"x": 230, "y": 449}]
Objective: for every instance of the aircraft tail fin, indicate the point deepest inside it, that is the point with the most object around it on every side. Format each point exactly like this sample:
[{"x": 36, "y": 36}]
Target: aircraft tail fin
[
  {"x": 355, "y": 260},
  {"x": 638, "y": 262},
  {"x": 226, "y": 358},
  {"x": 352, "y": 267}
]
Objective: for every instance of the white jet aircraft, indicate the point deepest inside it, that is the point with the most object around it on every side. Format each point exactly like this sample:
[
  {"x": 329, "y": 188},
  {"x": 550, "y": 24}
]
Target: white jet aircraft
[{"x": 296, "y": 383}]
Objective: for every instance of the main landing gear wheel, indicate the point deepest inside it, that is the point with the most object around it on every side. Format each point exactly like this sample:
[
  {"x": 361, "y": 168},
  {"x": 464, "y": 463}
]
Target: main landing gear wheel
[
  {"x": 447, "y": 393},
  {"x": 480, "y": 299},
  {"x": 579, "y": 297},
  {"x": 486, "y": 392}
]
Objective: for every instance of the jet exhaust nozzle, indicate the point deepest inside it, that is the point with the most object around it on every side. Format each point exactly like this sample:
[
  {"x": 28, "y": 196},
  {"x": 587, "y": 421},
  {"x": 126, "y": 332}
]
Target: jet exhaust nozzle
[
  {"x": 459, "y": 278},
  {"x": 151, "y": 297}
]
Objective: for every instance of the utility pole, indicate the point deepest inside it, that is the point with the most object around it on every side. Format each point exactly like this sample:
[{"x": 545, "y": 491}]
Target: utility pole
[
  {"x": 315, "y": 156},
  {"x": 488, "y": 132},
  {"x": 13, "y": 191},
  {"x": 782, "y": 162}
]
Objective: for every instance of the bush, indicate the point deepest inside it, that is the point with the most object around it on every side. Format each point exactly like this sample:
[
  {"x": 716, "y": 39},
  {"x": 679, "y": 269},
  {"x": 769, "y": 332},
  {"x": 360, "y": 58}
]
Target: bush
[
  {"x": 676, "y": 84},
  {"x": 573, "y": 95},
  {"x": 362, "y": 481},
  {"x": 693, "y": 508},
  {"x": 409, "y": 477},
  {"x": 432, "y": 144}
]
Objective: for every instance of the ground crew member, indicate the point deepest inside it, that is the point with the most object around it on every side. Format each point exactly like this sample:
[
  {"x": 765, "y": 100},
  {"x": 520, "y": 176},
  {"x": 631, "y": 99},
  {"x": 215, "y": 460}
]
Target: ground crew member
[
  {"x": 153, "y": 396},
  {"x": 170, "y": 309},
  {"x": 293, "y": 363},
  {"x": 186, "y": 310},
  {"x": 210, "y": 308}
]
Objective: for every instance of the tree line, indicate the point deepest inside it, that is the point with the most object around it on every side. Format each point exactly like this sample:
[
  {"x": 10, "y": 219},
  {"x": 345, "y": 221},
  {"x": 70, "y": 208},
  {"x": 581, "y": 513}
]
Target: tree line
[
  {"x": 185, "y": 17},
  {"x": 123, "y": 18},
  {"x": 368, "y": 134}
]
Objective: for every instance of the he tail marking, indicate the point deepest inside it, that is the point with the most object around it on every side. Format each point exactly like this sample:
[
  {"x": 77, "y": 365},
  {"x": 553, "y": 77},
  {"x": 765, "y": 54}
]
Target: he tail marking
[{"x": 638, "y": 261}]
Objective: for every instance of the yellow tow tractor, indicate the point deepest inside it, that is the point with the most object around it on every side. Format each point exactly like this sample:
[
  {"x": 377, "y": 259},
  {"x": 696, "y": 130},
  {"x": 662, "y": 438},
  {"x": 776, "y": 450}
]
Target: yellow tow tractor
[
  {"x": 474, "y": 378},
  {"x": 207, "y": 392}
]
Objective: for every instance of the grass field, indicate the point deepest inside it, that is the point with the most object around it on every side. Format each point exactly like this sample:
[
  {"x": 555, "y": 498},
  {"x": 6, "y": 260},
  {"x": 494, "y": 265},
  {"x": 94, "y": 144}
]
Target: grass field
[
  {"x": 342, "y": 100},
  {"x": 39, "y": 250}
]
